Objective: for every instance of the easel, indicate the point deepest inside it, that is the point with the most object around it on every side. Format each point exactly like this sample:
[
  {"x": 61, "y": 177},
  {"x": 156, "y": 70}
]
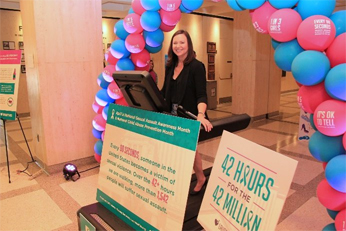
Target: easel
[{"x": 6, "y": 147}]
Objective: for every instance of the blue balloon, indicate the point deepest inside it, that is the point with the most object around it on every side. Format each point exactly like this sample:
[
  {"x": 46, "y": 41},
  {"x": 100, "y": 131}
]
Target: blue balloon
[
  {"x": 285, "y": 54},
  {"x": 102, "y": 82},
  {"x": 124, "y": 65},
  {"x": 153, "y": 50},
  {"x": 275, "y": 44},
  {"x": 184, "y": 10},
  {"x": 307, "y": 8},
  {"x": 118, "y": 49},
  {"x": 332, "y": 213},
  {"x": 150, "y": 20},
  {"x": 98, "y": 147},
  {"x": 97, "y": 134},
  {"x": 152, "y": 5},
  {"x": 335, "y": 82},
  {"x": 250, "y": 5},
  {"x": 310, "y": 67},
  {"x": 154, "y": 38},
  {"x": 119, "y": 30},
  {"x": 324, "y": 148},
  {"x": 339, "y": 20},
  {"x": 192, "y": 5},
  {"x": 329, "y": 227},
  {"x": 234, "y": 5},
  {"x": 312, "y": 124},
  {"x": 336, "y": 173},
  {"x": 102, "y": 97},
  {"x": 280, "y": 4}
]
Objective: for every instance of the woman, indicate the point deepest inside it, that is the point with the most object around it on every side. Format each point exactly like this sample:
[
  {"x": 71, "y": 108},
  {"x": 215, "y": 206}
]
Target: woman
[{"x": 185, "y": 85}]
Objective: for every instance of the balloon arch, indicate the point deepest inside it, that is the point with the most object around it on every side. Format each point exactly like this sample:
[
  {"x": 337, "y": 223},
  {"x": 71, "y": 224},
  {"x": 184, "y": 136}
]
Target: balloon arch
[{"x": 309, "y": 40}]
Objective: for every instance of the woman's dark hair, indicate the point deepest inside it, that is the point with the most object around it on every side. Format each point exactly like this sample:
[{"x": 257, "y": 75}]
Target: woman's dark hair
[{"x": 172, "y": 57}]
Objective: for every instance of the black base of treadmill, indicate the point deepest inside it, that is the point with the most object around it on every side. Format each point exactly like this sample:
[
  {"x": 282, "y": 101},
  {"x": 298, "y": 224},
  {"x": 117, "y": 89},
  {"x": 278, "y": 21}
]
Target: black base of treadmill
[{"x": 103, "y": 219}]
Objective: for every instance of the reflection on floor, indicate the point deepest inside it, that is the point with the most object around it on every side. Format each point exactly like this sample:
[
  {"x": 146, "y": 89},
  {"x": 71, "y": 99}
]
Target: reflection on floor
[{"x": 51, "y": 202}]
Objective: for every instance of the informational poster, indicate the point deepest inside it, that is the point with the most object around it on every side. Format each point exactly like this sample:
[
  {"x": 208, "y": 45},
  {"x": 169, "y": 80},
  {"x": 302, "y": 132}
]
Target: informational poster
[
  {"x": 146, "y": 167},
  {"x": 247, "y": 187},
  {"x": 305, "y": 129},
  {"x": 9, "y": 82}
]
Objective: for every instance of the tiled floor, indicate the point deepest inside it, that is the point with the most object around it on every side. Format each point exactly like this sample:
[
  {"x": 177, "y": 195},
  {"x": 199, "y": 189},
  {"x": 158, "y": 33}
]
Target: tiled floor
[{"x": 51, "y": 202}]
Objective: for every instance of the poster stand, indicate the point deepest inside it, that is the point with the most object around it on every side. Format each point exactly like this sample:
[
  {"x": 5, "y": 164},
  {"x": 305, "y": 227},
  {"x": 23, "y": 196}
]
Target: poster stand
[{"x": 27, "y": 144}]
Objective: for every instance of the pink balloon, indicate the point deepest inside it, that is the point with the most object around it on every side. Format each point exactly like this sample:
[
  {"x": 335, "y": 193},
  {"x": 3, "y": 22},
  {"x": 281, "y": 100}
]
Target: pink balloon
[
  {"x": 316, "y": 32},
  {"x": 108, "y": 72},
  {"x": 97, "y": 108},
  {"x": 132, "y": 23},
  {"x": 145, "y": 68},
  {"x": 99, "y": 123},
  {"x": 166, "y": 28},
  {"x": 141, "y": 59},
  {"x": 110, "y": 58},
  {"x": 260, "y": 17},
  {"x": 137, "y": 7},
  {"x": 170, "y": 18},
  {"x": 113, "y": 91},
  {"x": 283, "y": 25},
  {"x": 340, "y": 220},
  {"x": 329, "y": 197},
  {"x": 324, "y": 164},
  {"x": 134, "y": 43},
  {"x": 122, "y": 102},
  {"x": 309, "y": 97},
  {"x": 330, "y": 117},
  {"x": 97, "y": 157},
  {"x": 170, "y": 5},
  {"x": 336, "y": 52}
]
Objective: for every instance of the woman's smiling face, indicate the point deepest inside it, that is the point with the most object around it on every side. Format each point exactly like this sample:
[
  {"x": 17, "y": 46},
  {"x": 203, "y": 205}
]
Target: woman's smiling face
[{"x": 180, "y": 46}]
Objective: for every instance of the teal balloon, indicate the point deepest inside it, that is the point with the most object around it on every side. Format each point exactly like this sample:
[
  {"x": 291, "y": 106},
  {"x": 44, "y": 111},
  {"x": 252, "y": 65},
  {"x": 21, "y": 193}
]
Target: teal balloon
[
  {"x": 307, "y": 8},
  {"x": 184, "y": 10},
  {"x": 339, "y": 20},
  {"x": 310, "y": 67},
  {"x": 332, "y": 213},
  {"x": 150, "y": 20},
  {"x": 250, "y": 4},
  {"x": 124, "y": 65},
  {"x": 312, "y": 124},
  {"x": 152, "y": 5},
  {"x": 118, "y": 49},
  {"x": 154, "y": 38},
  {"x": 280, "y": 4},
  {"x": 131, "y": 11},
  {"x": 119, "y": 30},
  {"x": 234, "y": 5},
  {"x": 153, "y": 50},
  {"x": 102, "y": 82},
  {"x": 285, "y": 54},
  {"x": 192, "y": 5},
  {"x": 335, "y": 82},
  {"x": 324, "y": 148},
  {"x": 275, "y": 43},
  {"x": 329, "y": 227},
  {"x": 98, "y": 147},
  {"x": 336, "y": 173}
]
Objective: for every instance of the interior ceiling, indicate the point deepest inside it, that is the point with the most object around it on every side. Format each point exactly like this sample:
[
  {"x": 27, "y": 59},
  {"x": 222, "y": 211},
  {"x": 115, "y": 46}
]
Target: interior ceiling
[{"x": 120, "y": 8}]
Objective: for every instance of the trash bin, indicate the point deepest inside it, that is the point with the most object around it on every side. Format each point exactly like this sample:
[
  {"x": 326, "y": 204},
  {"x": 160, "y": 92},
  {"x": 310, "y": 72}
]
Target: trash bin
[{"x": 212, "y": 94}]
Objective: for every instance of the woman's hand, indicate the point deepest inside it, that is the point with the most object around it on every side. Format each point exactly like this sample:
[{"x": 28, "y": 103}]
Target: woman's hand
[{"x": 206, "y": 123}]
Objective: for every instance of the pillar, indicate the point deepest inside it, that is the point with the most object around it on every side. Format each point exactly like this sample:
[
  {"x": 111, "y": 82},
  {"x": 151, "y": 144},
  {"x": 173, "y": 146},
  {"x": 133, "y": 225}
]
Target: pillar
[
  {"x": 256, "y": 78},
  {"x": 63, "y": 52}
]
